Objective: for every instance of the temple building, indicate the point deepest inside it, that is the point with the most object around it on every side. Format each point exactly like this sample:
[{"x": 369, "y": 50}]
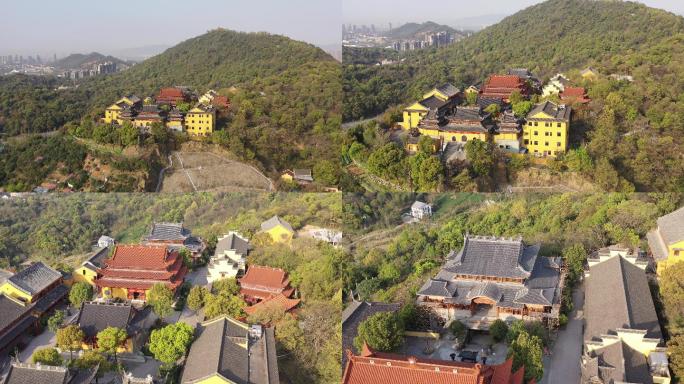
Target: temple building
[
  {"x": 461, "y": 124},
  {"x": 438, "y": 101},
  {"x": 149, "y": 115},
  {"x": 495, "y": 278},
  {"x": 88, "y": 270},
  {"x": 176, "y": 236},
  {"x": 262, "y": 283},
  {"x": 503, "y": 86},
  {"x": 173, "y": 96},
  {"x": 508, "y": 133},
  {"x": 132, "y": 270},
  {"x": 228, "y": 351},
  {"x": 230, "y": 257},
  {"x": 23, "y": 373},
  {"x": 128, "y": 104},
  {"x": 25, "y": 298},
  {"x": 667, "y": 240},
  {"x": 371, "y": 367},
  {"x": 622, "y": 337},
  {"x": 95, "y": 317},
  {"x": 571, "y": 95},
  {"x": 175, "y": 121},
  {"x": 278, "y": 229}
]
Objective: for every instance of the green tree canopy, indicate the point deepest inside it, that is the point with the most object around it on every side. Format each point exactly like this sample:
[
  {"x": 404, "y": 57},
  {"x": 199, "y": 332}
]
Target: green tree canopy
[
  {"x": 110, "y": 339},
  {"x": 70, "y": 338},
  {"x": 80, "y": 292},
  {"x": 47, "y": 356},
  {"x": 196, "y": 297},
  {"x": 527, "y": 350},
  {"x": 160, "y": 297},
  {"x": 171, "y": 342},
  {"x": 498, "y": 329},
  {"x": 382, "y": 332}
]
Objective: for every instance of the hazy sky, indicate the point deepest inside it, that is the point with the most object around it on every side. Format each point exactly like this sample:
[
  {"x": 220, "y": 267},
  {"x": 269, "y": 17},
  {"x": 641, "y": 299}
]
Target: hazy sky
[
  {"x": 382, "y": 12},
  {"x": 66, "y": 26}
]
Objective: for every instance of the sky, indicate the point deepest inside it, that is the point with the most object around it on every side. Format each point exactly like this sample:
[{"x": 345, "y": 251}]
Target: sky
[
  {"x": 81, "y": 26},
  {"x": 451, "y": 12}
]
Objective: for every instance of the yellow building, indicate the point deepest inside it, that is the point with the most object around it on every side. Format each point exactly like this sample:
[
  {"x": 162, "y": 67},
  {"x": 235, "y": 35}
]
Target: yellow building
[
  {"x": 32, "y": 283},
  {"x": 87, "y": 272},
  {"x": 590, "y": 74},
  {"x": 95, "y": 317},
  {"x": 278, "y": 229},
  {"x": 444, "y": 92},
  {"x": 113, "y": 112},
  {"x": 463, "y": 125},
  {"x": 228, "y": 351},
  {"x": 413, "y": 144},
  {"x": 200, "y": 121},
  {"x": 667, "y": 240},
  {"x": 547, "y": 128},
  {"x": 415, "y": 113}
]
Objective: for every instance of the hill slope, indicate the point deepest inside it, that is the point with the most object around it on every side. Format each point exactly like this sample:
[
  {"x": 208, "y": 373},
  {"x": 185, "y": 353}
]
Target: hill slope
[
  {"x": 410, "y": 30},
  {"x": 286, "y": 89},
  {"x": 632, "y": 131},
  {"x": 75, "y": 60}
]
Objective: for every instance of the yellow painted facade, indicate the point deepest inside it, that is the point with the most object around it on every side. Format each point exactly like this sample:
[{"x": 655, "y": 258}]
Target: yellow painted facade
[
  {"x": 287, "y": 176},
  {"x": 200, "y": 122},
  {"x": 127, "y": 347},
  {"x": 453, "y": 136},
  {"x": 590, "y": 74},
  {"x": 144, "y": 123},
  {"x": 85, "y": 275},
  {"x": 175, "y": 125},
  {"x": 10, "y": 290},
  {"x": 546, "y": 137},
  {"x": 113, "y": 114},
  {"x": 116, "y": 293},
  {"x": 436, "y": 93},
  {"x": 280, "y": 234},
  {"x": 413, "y": 115},
  {"x": 675, "y": 254}
]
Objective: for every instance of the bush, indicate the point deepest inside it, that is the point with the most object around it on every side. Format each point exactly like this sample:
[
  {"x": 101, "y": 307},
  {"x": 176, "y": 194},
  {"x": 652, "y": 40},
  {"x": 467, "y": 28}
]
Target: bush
[{"x": 498, "y": 330}]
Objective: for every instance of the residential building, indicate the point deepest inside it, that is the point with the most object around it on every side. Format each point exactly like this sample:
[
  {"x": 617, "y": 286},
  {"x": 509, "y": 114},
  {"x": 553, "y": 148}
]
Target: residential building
[
  {"x": 23, "y": 373},
  {"x": 105, "y": 242},
  {"x": 503, "y": 86},
  {"x": 262, "y": 283},
  {"x": 278, "y": 229},
  {"x": 421, "y": 210},
  {"x": 200, "y": 120},
  {"x": 495, "y": 278},
  {"x": 88, "y": 271},
  {"x": 547, "y": 130},
  {"x": 508, "y": 133},
  {"x": 228, "y": 351},
  {"x": 556, "y": 85},
  {"x": 132, "y": 270},
  {"x": 95, "y": 317},
  {"x": 667, "y": 240},
  {"x": 212, "y": 97},
  {"x": 230, "y": 257},
  {"x": 300, "y": 176},
  {"x": 329, "y": 236},
  {"x": 622, "y": 337},
  {"x": 352, "y": 316},
  {"x": 25, "y": 298},
  {"x": 371, "y": 367},
  {"x": 176, "y": 236},
  {"x": 208, "y": 97}
]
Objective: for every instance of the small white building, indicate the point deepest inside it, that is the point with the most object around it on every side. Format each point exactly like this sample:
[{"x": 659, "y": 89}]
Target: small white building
[
  {"x": 229, "y": 258},
  {"x": 105, "y": 242},
  {"x": 328, "y": 235},
  {"x": 555, "y": 85},
  {"x": 419, "y": 210}
]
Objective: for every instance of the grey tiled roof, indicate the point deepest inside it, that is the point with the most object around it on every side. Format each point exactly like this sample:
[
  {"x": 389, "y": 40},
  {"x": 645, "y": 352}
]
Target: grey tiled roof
[
  {"x": 352, "y": 317},
  {"x": 168, "y": 231},
  {"x": 496, "y": 257},
  {"x": 618, "y": 296},
  {"x": 218, "y": 348},
  {"x": 671, "y": 226},
  {"x": 35, "y": 278},
  {"x": 95, "y": 317},
  {"x": 274, "y": 222},
  {"x": 616, "y": 363},
  {"x": 657, "y": 246},
  {"x": 557, "y": 112},
  {"x": 233, "y": 242},
  {"x": 433, "y": 102},
  {"x": 10, "y": 311},
  {"x": 32, "y": 374},
  {"x": 448, "y": 89},
  {"x": 96, "y": 260}
]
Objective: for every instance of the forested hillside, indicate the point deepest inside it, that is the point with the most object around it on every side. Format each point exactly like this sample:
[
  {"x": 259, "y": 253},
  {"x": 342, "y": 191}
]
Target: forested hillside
[
  {"x": 410, "y": 30},
  {"x": 630, "y": 136},
  {"x": 75, "y": 60},
  {"x": 286, "y": 100}
]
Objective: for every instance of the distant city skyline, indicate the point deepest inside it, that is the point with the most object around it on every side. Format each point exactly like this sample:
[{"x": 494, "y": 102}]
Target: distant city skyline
[
  {"x": 83, "y": 26},
  {"x": 470, "y": 14}
]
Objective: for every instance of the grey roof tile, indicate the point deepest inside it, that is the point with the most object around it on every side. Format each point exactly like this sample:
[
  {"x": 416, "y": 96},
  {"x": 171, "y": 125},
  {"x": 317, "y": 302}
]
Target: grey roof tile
[{"x": 35, "y": 278}]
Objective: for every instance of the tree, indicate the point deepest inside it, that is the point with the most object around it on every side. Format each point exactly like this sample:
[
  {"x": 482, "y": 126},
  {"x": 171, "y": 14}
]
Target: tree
[
  {"x": 196, "y": 297},
  {"x": 80, "y": 292},
  {"x": 516, "y": 97},
  {"x": 515, "y": 329},
  {"x": 494, "y": 109},
  {"x": 480, "y": 155},
  {"x": 128, "y": 134},
  {"x": 47, "y": 356},
  {"x": 170, "y": 343},
  {"x": 522, "y": 108},
  {"x": 217, "y": 305},
  {"x": 326, "y": 172},
  {"x": 70, "y": 338},
  {"x": 458, "y": 330},
  {"x": 55, "y": 321},
  {"x": 527, "y": 350},
  {"x": 426, "y": 145},
  {"x": 427, "y": 172},
  {"x": 388, "y": 161},
  {"x": 675, "y": 348},
  {"x": 471, "y": 98},
  {"x": 672, "y": 292},
  {"x": 575, "y": 256},
  {"x": 187, "y": 257},
  {"x": 91, "y": 359},
  {"x": 110, "y": 339},
  {"x": 498, "y": 330},
  {"x": 382, "y": 332},
  {"x": 227, "y": 287},
  {"x": 160, "y": 298}
]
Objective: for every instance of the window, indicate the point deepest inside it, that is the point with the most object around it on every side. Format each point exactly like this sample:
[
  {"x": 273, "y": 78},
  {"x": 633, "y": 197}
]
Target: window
[
  {"x": 536, "y": 143},
  {"x": 559, "y": 125},
  {"x": 84, "y": 272},
  {"x": 527, "y": 141},
  {"x": 464, "y": 138},
  {"x": 558, "y": 144},
  {"x": 676, "y": 253},
  {"x": 547, "y": 124},
  {"x": 453, "y": 138},
  {"x": 536, "y": 124},
  {"x": 546, "y": 144},
  {"x": 559, "y": 134},
  {"x": 536, "y": 133}
]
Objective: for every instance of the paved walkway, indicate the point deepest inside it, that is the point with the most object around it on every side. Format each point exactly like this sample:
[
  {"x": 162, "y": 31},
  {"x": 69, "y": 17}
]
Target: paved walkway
[{"x": 563, "y": 366}]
